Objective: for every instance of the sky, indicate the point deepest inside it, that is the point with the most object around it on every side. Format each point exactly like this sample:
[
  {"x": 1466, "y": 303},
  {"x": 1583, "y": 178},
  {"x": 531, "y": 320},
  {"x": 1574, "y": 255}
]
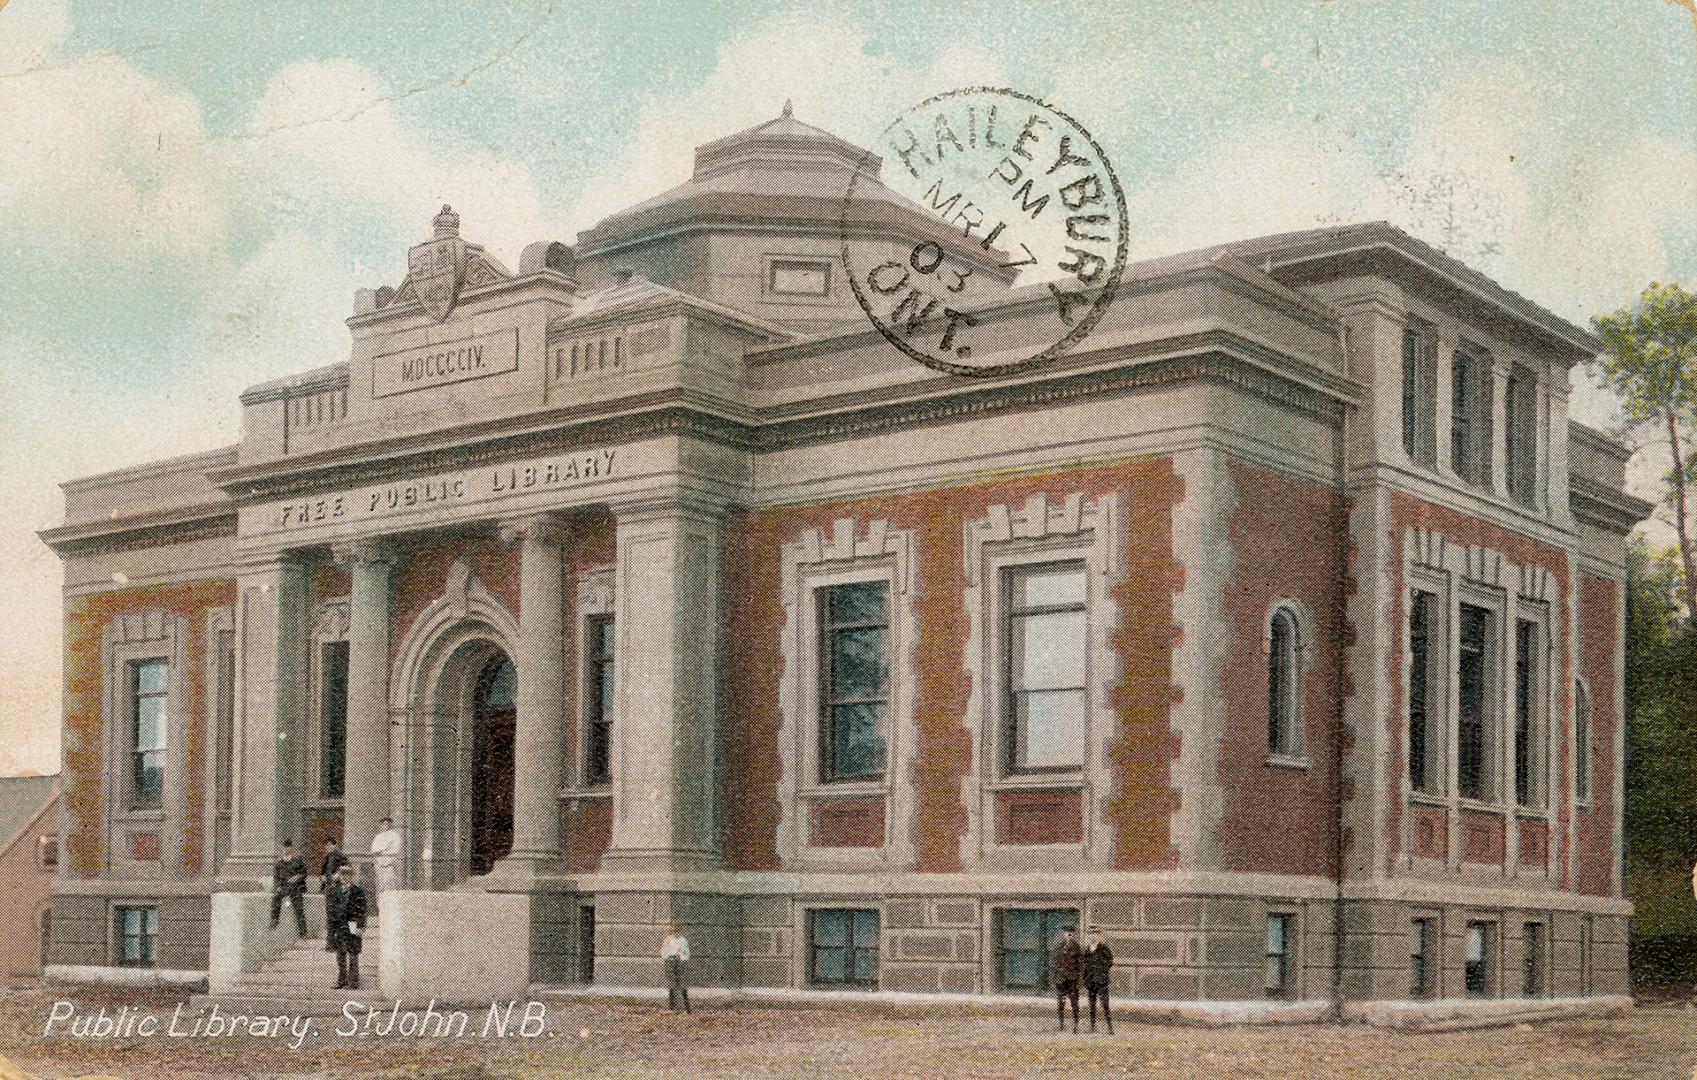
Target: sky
[{"x": 190, "y": 195}]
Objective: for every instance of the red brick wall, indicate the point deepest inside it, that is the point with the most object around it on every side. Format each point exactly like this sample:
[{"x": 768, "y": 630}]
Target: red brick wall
[
  {"x": 1140, "y": 809},
  {"x": 1040, "y": 817},
  {"x": 847, "y": 823},
  {"x": 86, "y": 618},
  {"x": 588, "y": 830},
  {"x": 1288, "y": 541},
  {"x": 421, "y": 573},
  {"x": 1534, "y": 842},
  {"x": 1481, "y": 837},
  {"x": 1431, "y": 833},
  {"x": 1407, "y": 512},
  {"x": 1599, "y": 629}
]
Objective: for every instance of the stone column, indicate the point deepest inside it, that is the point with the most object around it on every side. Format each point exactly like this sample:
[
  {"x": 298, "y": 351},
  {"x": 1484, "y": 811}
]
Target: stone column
[
  {"x": 271, "y": 674},
  {"x": 665, "y": 714},
  {"x": 365, "y": 801},
  {"x": 539, "y": 723}
]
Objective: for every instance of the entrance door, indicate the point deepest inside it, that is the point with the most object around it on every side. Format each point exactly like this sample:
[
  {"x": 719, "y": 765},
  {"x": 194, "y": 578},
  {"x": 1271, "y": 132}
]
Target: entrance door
[{"x": 492, "y": 765}]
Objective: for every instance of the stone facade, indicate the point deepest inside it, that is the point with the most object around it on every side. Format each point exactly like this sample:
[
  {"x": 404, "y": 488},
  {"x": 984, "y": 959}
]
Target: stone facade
[{"x": 539, "y": 572}]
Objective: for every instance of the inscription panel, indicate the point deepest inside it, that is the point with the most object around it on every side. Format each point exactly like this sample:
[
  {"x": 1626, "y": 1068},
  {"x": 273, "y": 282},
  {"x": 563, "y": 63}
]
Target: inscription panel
[
  {"x": 440, "y": 490},
  {"x": 446, "y": 362}
]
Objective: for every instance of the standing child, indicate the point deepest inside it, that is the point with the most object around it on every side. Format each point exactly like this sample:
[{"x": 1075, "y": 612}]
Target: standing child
[{"x": 676, "y": 952}]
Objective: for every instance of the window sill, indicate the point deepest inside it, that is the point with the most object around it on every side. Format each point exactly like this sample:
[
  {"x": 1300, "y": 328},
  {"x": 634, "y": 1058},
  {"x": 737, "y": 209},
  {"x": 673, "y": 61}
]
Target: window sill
[
  {"x": 599, "y": 791},
  {"x": 845, "y": 789},
  {"x": 1584, "y": 804},
  {"x": 1061, "y": 781},
  {"x": 1483, "y": 807},
  {"x": 1428, "y": 799},
  {"x": 142, "y": 813},
  {"x": 1287, "y": 761}
]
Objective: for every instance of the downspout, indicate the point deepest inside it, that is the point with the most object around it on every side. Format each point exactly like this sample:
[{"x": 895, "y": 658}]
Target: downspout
[{"x": 1340, "y": 685}]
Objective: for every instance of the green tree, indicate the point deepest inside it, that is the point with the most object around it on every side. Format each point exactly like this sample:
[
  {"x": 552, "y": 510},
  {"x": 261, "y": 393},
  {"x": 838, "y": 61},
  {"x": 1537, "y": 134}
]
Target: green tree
[
  {"x": 1650, "y": 361},
  {"x": 1661, "y": 770}
]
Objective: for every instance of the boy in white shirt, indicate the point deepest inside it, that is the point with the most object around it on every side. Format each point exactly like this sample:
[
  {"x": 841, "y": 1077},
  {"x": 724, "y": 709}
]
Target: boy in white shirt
[{"x": 675, "y": 950}]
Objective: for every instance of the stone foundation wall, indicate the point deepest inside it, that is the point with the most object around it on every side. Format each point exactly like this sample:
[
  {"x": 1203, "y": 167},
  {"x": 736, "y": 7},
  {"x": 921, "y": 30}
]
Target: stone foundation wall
[
  {"x": 1166, "y": 948},
  {"x": 931, "y": 945},
  {"x": 81, "y": 930},
  {"x": 630, "y": 927},
  {"x": 554, "y": 937}
]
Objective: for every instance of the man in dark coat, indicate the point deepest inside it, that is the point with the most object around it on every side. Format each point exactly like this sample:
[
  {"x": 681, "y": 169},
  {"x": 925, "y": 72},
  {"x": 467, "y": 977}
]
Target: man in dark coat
[
  {"x": 1098, "y": 962},
  {"x": 334, "y": 860},
  {"x": 288, "y": 879},
  {"x": 1069, "y": 969},
  {"x": 345, "y": 920}
]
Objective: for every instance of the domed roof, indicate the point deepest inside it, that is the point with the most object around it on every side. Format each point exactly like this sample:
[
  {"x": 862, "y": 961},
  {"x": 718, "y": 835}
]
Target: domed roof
[{"x": 782, "y": 173}]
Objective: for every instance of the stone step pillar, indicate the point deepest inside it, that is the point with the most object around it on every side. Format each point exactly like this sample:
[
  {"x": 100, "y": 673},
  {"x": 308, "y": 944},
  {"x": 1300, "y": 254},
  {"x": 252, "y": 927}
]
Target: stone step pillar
[
  {"x": 665, "y": 708},
  {"x": 271, "y": 699},
  {"x": 539, "y": 722},
  {"x": 365, "y": 798}
]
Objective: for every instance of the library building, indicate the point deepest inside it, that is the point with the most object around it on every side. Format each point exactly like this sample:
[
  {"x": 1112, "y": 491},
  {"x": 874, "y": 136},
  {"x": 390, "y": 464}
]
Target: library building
[{"x": 1275, "y": 629}]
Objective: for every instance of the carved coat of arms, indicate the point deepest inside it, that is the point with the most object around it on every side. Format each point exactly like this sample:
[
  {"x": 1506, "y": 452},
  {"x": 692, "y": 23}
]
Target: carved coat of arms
[{"x": 437, "y": 267}]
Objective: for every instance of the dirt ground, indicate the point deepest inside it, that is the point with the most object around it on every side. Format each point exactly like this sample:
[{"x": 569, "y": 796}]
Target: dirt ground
[{"x": 605, "y": 1039}]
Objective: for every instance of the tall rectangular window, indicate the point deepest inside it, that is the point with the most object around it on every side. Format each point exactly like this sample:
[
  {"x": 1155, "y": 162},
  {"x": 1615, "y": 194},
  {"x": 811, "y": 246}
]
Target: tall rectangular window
[
  {"x": 1419, "y": 396},
  {"x": 1470, "y": 418},
  {"x": 843, "y": 947},
  {"x": 1520, "y": 435},
  {"x": 1476, "y": 973},
  {"x": 598, "y": 700},
  {"x": 1425, "y": 741},
  {"x": 1581, "y": 742},
  {"x": 149, "y": 686},
  {"x": 333, "y": 714},
  {"x": 1421, "y": 948},
  {"x": 1528, "y": 735},
  {"x": 1044, "y": 643},
  {"x": 225, "y": 788},
  {"x": 1532, "y": 962},
  {"x": 1025, "y": 942},
  {"x": 854, "y": 679},
  {"x": 1476, "y": 749},
  {"x": 1277, "y": 980},
  {"x": 1284, "y": 694},
  {"x": 134, "y": 933}
]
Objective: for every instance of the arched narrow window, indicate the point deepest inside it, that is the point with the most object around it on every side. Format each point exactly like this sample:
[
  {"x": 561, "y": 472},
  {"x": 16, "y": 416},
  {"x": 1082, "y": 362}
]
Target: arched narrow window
[
  {"x": 1283, "y": 676},
  {"x": 1581, "y": 742}
]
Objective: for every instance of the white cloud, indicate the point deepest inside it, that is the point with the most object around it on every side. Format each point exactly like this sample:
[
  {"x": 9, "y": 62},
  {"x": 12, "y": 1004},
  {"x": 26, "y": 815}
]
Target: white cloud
[
  {"x": 129, "y": 208},
  {"x": 328, "y": 150},
  {"x": 100, "y": 158},
  {"x": 820, "y": 62},
  {"x": 1275, "y": 180}
]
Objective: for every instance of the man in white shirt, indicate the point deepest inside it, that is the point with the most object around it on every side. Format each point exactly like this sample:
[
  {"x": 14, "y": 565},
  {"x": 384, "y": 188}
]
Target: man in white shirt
[
  {"x": 675, "y": 949},
  {"x": 386, "y": 848}
]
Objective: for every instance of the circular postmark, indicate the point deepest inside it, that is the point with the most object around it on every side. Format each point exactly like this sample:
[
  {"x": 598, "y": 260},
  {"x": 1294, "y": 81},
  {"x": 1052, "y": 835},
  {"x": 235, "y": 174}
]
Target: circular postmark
[{"x": 985, "y": 232}]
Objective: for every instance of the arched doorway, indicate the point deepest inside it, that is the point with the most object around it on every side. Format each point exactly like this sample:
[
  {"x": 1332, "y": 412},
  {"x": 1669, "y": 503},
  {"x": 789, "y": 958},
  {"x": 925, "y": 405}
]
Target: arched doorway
[{"x": 493, "y": 700}]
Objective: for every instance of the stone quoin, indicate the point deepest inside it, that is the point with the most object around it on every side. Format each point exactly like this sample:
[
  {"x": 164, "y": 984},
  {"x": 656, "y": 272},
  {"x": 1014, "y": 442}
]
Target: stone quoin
[{"x": 1275, "y": 627}]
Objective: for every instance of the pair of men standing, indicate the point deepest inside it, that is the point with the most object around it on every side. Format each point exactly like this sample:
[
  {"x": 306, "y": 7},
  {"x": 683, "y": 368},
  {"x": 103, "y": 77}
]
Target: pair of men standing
[{"x": 1091, "y": 965}]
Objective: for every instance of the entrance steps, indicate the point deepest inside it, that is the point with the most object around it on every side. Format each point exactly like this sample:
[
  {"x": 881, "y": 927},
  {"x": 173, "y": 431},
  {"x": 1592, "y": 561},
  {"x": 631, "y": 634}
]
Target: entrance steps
[{"x": 300, "y": 979}]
